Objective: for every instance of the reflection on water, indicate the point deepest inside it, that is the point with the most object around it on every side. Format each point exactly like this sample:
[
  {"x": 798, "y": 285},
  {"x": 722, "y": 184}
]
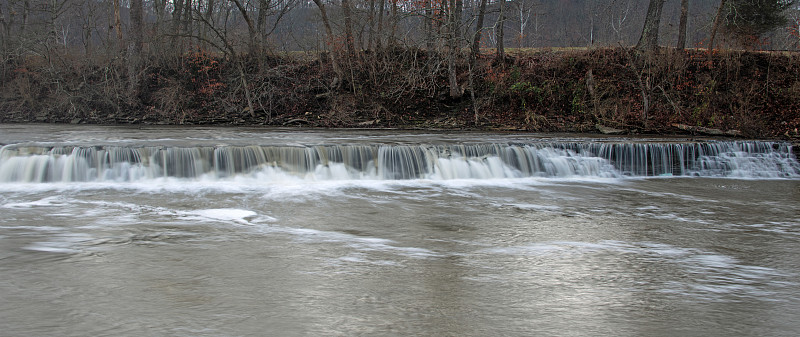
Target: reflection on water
[{"x": 518, "y": 256}]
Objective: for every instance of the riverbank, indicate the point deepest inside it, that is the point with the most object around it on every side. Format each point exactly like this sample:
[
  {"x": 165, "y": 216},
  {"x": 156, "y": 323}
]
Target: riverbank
[{"x": 616, "y": 91}]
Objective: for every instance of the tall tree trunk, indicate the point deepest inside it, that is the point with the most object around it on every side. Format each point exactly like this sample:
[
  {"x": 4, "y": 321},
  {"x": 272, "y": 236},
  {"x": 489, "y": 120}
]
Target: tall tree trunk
[
  {"x": 118, "y": 24},
  {"x": 159, "y": 7},
  {"x": 473, "y": 55},
  {"x": 6, "y": 22},
  {"x": 177, "y": 11},
  {"x": 187, "y": 20},
  {"x": 476, "y": 39},
  {"x": 209, "y": 17},
  {"x": 87, "y": 41},
  {"x": 429, "y": 25},
  {"x": 500, "y": 31},
  {"x": 136, "y": 43},
  {"x": 331, "y": 39},
  {"x": 26, "y": 8},
  {"x": 454, "y": 37},
  {"x": 137, "y": 27},
  {"x": 717, "y": 20},
  {"x": 261, "y": 21},
  {"x": 683, "y": 23},
  {"x": 459, "y": 11},
  {"x": 379, "y": 39},
  {"x": 348, "y": 28},
  {"x": 649, "y": 39},
  {"x": 371, "y": 24},
  {"x": 54, "y": 22},
  {"x": 395, "y": 19}
]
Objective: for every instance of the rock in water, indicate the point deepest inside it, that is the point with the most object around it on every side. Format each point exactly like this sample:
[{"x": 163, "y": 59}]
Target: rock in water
[{"x": 608, "y": 130}]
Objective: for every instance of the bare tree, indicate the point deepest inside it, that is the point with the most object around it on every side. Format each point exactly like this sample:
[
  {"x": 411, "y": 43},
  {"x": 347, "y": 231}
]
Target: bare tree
[
  {"x": 348, "y": 27},
  {"x": 523, "y": 10},
  {"x": 177, "y": 12},
  {"x": 619, "y": 19},
  {"x": 429, "y": 22},
  {"x": 715, "y": 25},
  {"x": 454, "y": 46},
  {"x": 476, "y": 37},
  {"x": 254, "y": 41},
  {"x": 379, "y": 33},
  {"x": 118, "y": 23},
  {"x": 135, "y": 48},
  {"x": 473, "y": 54},
  {"x": 500, "y": 30},
  {"x": 683, "y": 23},
  {"x": 332, "y": 39}
]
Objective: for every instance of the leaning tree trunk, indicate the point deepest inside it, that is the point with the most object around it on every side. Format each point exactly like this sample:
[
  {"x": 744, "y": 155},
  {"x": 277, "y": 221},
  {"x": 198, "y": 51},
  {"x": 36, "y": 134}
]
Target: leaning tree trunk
[
  {"x": 476, "y": 39},
  {"x": 717, "y": 20},
  {"x": 331, "y": 39},
  {"x": 253, "y": 45},
  {"x": 649, "y": 39}
]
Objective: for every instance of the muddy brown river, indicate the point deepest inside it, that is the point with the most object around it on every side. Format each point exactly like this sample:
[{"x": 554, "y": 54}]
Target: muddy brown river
[{"x": 116, "y": 231}]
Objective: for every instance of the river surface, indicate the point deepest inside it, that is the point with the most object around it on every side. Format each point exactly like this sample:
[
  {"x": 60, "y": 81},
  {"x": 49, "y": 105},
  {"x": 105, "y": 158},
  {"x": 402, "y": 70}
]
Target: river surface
[{"x": 269, "y": 251}]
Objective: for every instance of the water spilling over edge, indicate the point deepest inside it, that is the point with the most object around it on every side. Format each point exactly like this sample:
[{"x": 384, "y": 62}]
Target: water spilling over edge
[{"x": 22, "y": 163}]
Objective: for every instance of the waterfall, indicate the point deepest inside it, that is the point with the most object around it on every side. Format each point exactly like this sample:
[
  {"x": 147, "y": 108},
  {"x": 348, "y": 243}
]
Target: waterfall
[{"x": 742, "y": 159}]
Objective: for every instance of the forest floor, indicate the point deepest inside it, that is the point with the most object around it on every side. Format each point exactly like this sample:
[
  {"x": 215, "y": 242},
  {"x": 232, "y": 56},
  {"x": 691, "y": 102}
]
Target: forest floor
[{"x": 609, "y": 90}]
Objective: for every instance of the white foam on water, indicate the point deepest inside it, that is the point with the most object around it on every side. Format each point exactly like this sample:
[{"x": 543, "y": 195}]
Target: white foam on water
[
  {"x": 103, "y": 216},
  {"x": 290, "y": 187},
  {"x": 52, "y": 247},
  {"x": 363, "y": 259},
  {"x": 42, "y": 228},
  {"x": 534, "y": 207},
  {"x": 65, "y": 243},
  {"x": 269, "y": 225},
  {"x": 672, "y": 216},
  {"x": 226, "y": 214},
  {"x": 359, "y": 243},
  {"x": 53, "y": 201},
  {"x": 686, "y": 197}
]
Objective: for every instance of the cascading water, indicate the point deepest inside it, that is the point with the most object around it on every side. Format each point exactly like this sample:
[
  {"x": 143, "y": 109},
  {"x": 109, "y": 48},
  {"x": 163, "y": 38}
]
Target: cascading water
[{"x": 744, "y": 159}]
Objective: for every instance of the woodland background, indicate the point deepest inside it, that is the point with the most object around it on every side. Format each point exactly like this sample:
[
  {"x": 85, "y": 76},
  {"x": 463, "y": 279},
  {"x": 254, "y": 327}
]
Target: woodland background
[{"x": 563, "y": 65}]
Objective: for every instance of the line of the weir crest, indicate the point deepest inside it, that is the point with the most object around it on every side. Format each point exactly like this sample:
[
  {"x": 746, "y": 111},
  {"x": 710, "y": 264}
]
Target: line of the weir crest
[{"x": 70, "y": 163}]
